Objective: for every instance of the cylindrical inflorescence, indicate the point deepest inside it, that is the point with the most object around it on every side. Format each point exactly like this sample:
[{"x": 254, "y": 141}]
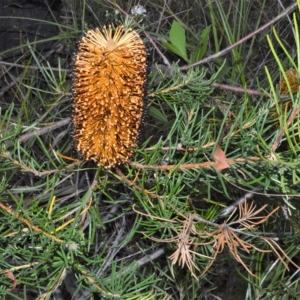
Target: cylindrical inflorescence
[{"x": 109, "y": 78}]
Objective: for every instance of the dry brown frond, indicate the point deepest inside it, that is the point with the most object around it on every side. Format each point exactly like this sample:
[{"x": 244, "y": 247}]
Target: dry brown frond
[
  {"x": 108, "y": 94},
  {"x": 248, "y": 215},
  {"x": 226, "y": 235},
  {"x": 231, "y": 234},
  {"x": 183, "y": 255}
]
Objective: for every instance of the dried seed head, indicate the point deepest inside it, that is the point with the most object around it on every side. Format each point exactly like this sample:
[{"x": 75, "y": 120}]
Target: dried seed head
[
  {"x": 108, "y": 94},
  {"x": 293, "y": 80}
]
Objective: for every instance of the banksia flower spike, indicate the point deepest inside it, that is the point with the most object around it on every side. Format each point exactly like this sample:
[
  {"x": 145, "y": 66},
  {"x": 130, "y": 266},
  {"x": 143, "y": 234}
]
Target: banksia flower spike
[{"x": 108, "y": 94}]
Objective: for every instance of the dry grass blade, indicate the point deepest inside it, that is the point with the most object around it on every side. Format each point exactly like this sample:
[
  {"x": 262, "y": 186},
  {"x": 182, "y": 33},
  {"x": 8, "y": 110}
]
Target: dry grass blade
[{"x": 279, "y": 252}]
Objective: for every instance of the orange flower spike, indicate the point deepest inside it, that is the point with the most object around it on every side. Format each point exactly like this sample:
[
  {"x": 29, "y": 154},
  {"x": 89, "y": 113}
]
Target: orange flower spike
[{"x": 108, "y": 94}]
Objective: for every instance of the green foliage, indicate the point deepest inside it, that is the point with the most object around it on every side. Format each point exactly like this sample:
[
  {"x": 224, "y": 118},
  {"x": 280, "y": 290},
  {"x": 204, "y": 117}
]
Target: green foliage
[
  {"x": 163, "y": 225},
  {"x": 178, "y": 40},
  {"x": 200, "y": 49},
  {"x": 178, "y": 43}
]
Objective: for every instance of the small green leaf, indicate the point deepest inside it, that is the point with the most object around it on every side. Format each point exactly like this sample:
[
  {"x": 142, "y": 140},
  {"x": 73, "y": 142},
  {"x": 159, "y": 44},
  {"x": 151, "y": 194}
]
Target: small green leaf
[
  {"x": 174, "y": 49},
  {"x": 157, "y": 114},
  {"x": 202, "y": 45},
  {"x": 177, "y": 38}
]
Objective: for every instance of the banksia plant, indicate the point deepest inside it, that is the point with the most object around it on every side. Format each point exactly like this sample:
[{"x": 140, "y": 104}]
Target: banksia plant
[{"x": 108, "y": 94}]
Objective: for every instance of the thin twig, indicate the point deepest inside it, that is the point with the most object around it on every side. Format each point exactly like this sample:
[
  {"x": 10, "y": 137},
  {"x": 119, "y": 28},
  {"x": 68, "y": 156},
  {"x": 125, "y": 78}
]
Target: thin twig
[
  {"x": 25, "y": 137},
  {"x": 7, "y": 155},
  {"x": 114, "y": 249},
  {"x": 131, "y": 183},
  {"x": 236, "y": 89},
  {"x": 241, "y": 41},
  {"x": 193, "y": 165},
  {"x": 144, "y": 260},
  {"x": 5, "y": 63}
]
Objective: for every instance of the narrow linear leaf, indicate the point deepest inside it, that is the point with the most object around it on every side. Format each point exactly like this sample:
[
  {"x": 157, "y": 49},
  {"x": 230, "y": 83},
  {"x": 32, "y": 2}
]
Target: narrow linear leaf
[
  {"x": 157, "y": 114},
  {"x": 199, "y": 51}
]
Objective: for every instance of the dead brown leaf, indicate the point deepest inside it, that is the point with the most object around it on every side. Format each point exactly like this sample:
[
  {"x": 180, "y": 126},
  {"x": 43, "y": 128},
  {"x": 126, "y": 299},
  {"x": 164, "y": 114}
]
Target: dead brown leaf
[
  {"x": 12, "y": 277},
  {"x": 220, "y": 159}
]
